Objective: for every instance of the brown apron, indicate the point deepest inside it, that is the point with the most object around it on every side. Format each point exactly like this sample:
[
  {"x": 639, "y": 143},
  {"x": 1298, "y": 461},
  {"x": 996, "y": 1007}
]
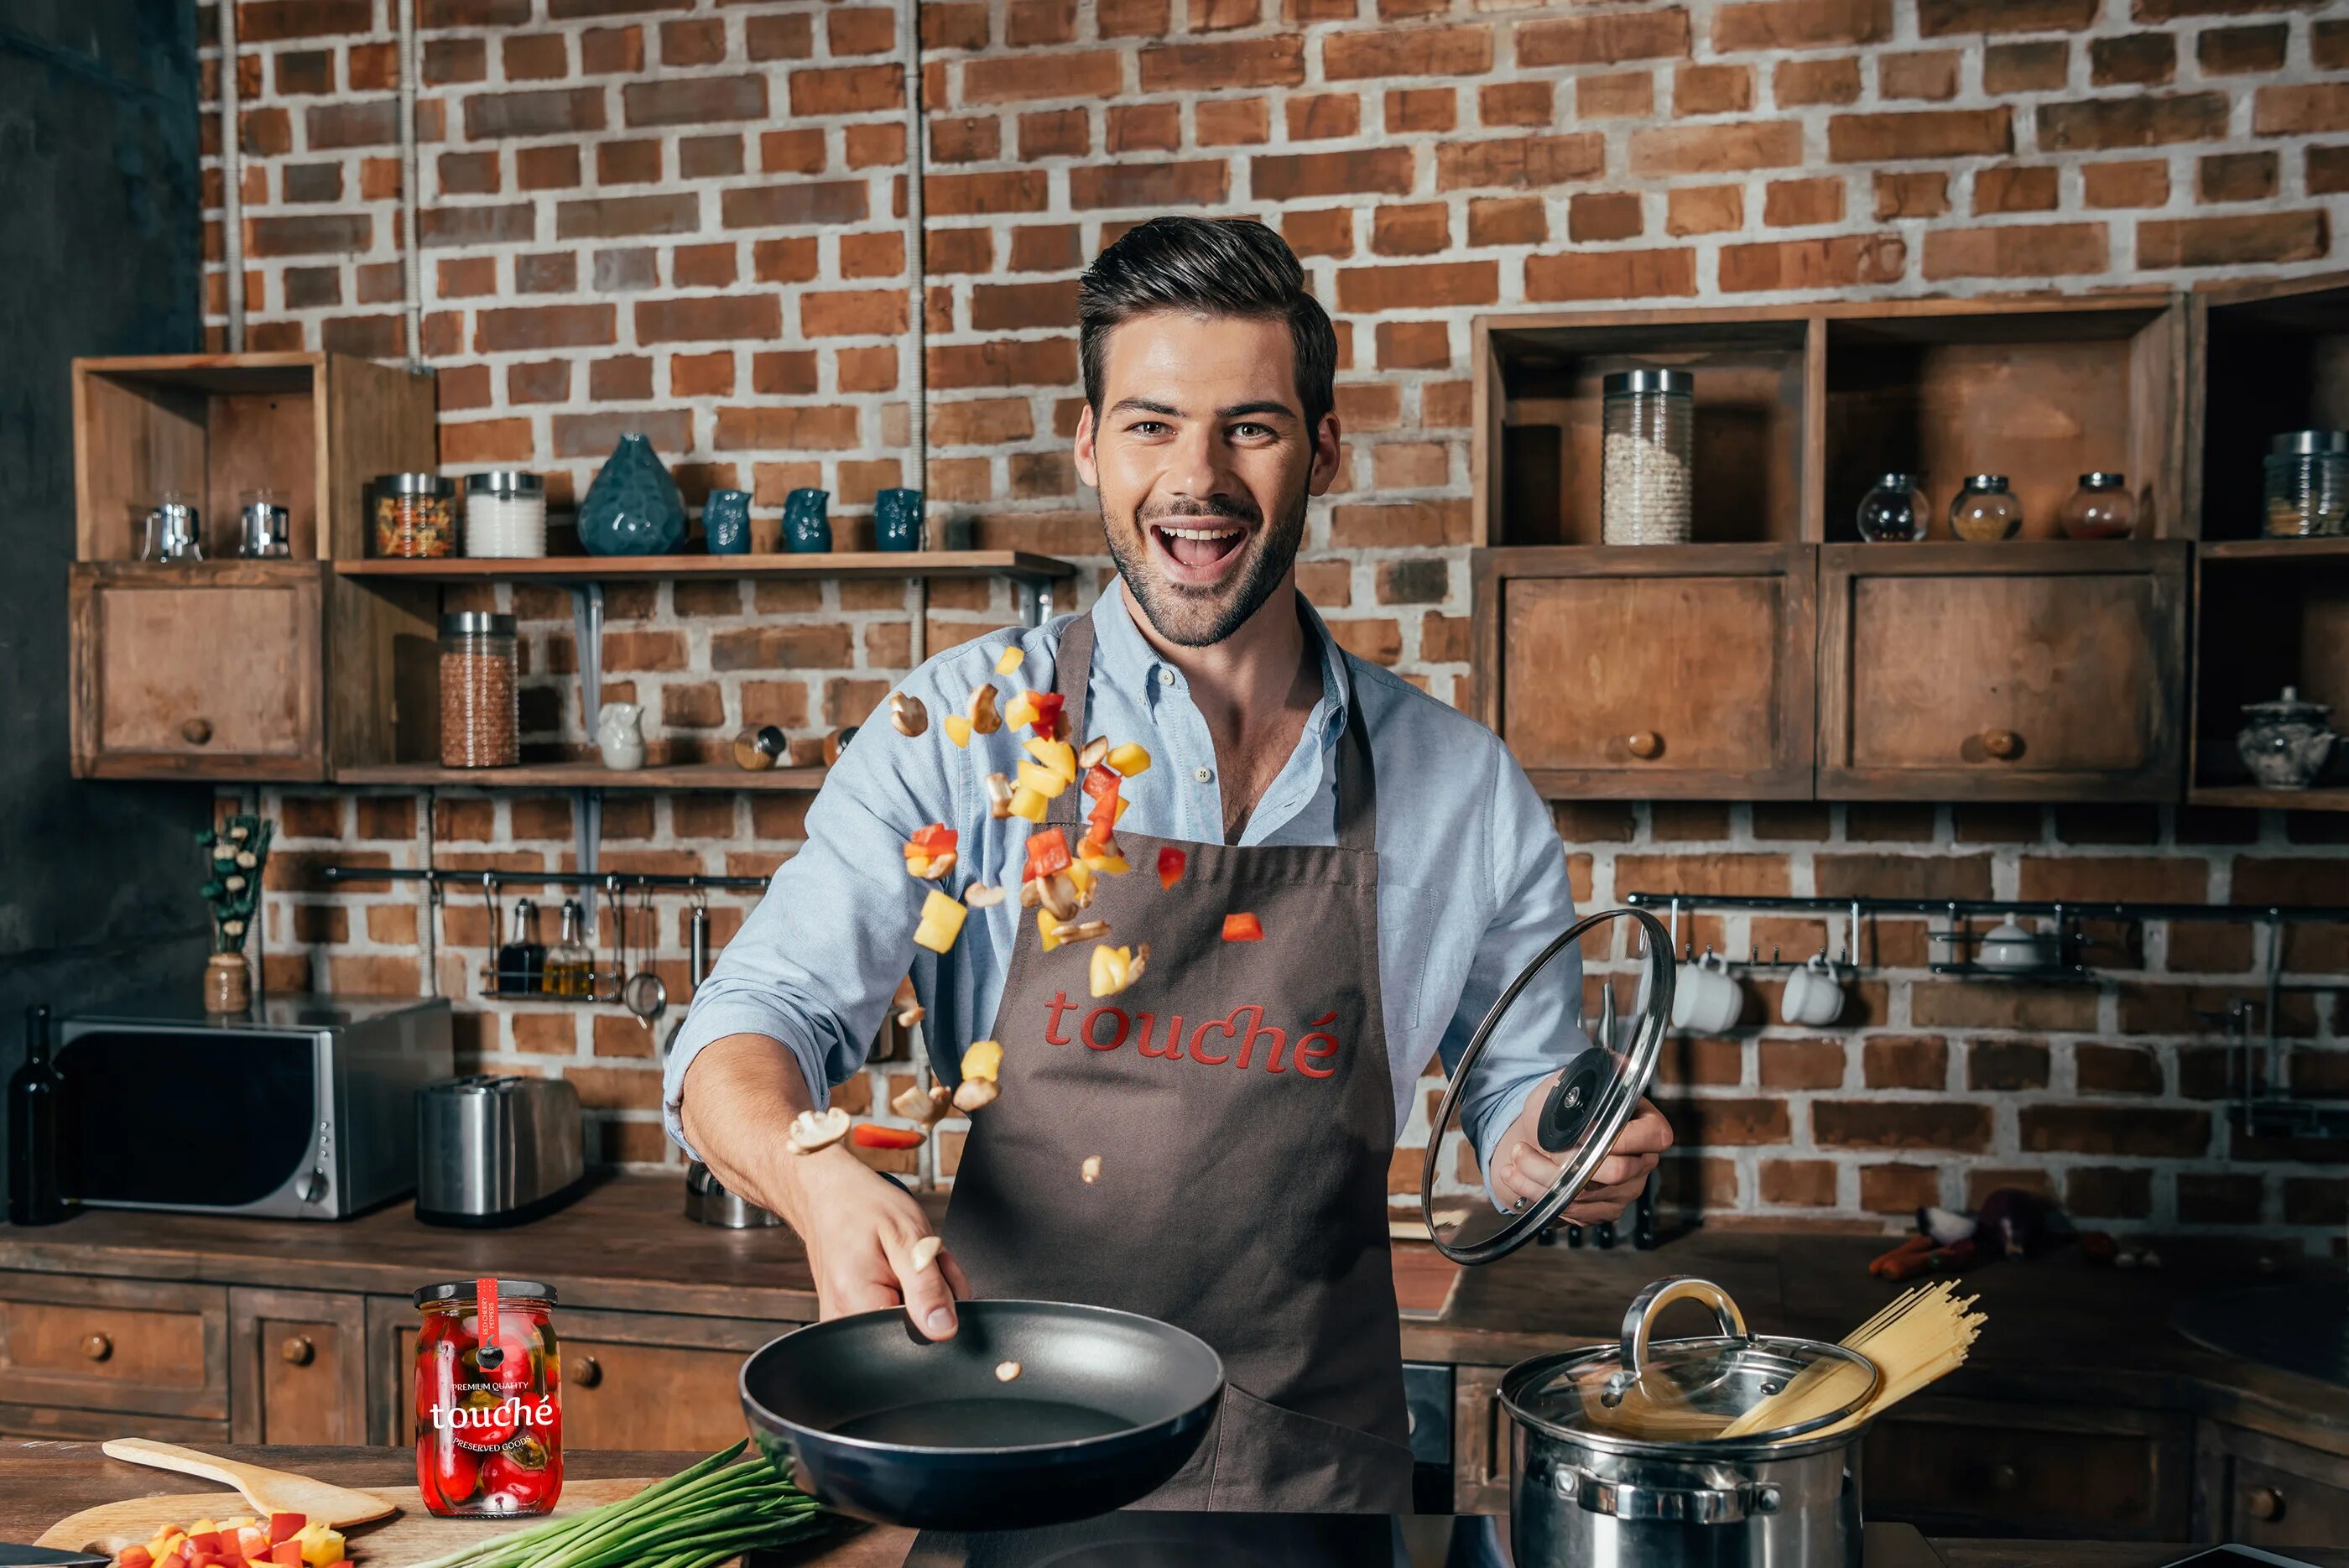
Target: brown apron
[{"x": 1238, "y": 1097}]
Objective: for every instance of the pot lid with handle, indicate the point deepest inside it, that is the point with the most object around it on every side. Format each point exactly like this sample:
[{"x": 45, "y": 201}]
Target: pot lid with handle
[
  {"x": 1645, "y": 1391},
  {"x": 1600, "y": 1072}
]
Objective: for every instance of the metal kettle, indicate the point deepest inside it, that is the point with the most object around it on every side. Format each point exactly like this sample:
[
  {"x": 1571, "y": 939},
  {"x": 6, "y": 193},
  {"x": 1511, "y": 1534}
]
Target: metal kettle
[{"x": 707, "y": 1200}]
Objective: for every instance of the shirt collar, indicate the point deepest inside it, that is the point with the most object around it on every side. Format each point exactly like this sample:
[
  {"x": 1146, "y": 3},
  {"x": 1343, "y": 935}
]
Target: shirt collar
[{"x": 1126, "y": 657}]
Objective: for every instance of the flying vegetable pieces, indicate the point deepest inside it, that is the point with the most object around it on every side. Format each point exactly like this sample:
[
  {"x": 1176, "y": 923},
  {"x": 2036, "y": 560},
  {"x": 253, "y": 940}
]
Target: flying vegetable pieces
[
  {"x": 1057, "y": 755},
  {"x": 1128, "y": 759},
  {"x": 924, "y": 1105},
  {"x": 1008, "y": 660},
  {"x": 957, "y": 729},
  {"x": 984, "y": 719},
  {"x": 1115, "y": 969},
  {"x": 1038, "y": 778},
  {"x": 931, "y": 853},
  {"x": 942, "y": 919},
  {"x": 872, "y": 1134},
  {"x": 908, "y": 714},
  {"x": 1243, "y": 929},
  {"x": 1004, "y": 1371},
  {"x": 980, "y": 1064},
  {"x": 1171, "y": 862},
  {"x": 1040, "y": 711},
  {"x": 925, "y": 1251},
  {"x": 980, "y": 895},
  {"x": 812, "y": 1131},
  {"x": 1000, "y": 795},
  {"x": 1090, "y": 1169},
  {"x": 1047, "y": 852}
]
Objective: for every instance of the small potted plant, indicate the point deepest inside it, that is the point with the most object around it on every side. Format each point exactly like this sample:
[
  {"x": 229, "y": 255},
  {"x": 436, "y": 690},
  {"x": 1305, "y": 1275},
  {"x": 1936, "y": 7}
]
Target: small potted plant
[{"x": 238, "y": 848}]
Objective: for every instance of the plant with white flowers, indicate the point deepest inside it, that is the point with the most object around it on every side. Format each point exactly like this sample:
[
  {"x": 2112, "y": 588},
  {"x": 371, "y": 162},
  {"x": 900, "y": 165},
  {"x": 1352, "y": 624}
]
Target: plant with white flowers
[{"x": 238, "y": 848}]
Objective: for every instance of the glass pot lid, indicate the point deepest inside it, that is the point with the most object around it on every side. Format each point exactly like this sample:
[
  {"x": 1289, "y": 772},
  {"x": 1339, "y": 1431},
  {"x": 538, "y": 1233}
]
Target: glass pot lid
[
  {"x": 1647, "y": 1391},
  {"x": 1591, "y": 1079}
]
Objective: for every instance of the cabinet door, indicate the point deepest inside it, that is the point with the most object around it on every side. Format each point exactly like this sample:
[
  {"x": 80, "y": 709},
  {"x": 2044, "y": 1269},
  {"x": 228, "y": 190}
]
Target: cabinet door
[
  {"x": 2262, "y": 1491},
  {"x": 1954, "y": 1466},
  {"x": 197, "y": 672},
  {"x": 297, "y": 1367},
  {"x": 1480, "y": 1441},
  {"x": 114, "y": 1344},
  {"x": 1660, "y": 671},
  {"x": 2012, "y": 671}
]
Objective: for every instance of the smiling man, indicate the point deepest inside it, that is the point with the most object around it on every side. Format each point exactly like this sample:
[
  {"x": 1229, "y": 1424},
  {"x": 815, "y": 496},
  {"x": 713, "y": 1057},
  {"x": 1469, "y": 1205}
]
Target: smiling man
[{"x": 1210, "y": 1146}]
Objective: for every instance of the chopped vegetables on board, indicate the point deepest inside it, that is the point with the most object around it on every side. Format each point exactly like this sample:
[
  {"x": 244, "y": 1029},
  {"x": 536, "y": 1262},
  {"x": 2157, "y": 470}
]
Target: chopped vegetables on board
[
  {"x": 283, "y": 1540},
  {"x": 1243, "y": 929},
  {"x": 941, "y": 922}
]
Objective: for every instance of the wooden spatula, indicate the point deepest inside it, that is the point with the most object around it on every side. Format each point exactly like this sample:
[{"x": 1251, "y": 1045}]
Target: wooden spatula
[{"x": 268, "y": 1490}]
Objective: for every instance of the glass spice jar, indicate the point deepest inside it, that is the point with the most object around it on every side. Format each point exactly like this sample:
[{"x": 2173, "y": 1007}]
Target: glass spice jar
[
  {"x": 2307, "y": 484},
  {"x": 2099, "y": 509},
  {"x": 505, "y": 513},
  {"x": 489, "y": 1399},
  {"x": 1648, "y": 420},
  {"x": 1895, "y": 512},
  {"x": 480, "y": 715},
  {"x": 414, "y": 516},
  {"x": 1984, "y": 510}
]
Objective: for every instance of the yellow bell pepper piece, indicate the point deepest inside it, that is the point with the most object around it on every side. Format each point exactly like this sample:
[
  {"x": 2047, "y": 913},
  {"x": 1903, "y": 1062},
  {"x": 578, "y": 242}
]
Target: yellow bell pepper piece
[
  {"x": 983, "y": 1060},
  {"x": 1007, "y": 661},
  {"x": 204, "y": 1526},
  {"x": 1128, "y": 759},
  {"x": 1047, "y": 929},
  {"x": 957, "y": 729},
  {"x": 1043, "y": 779},
  {"x": 1027, "y": 802},
  {"x": 1080, "y": 877},
  {"x": 1112, "y": 970},
  {"x": 1020, "y": 712},
  {"x": 1106, "y": 863},
  {"x": 942, "y": 919},
  {"x": 320, "y": 1545},
  {"x": 1058, "y": 755}
]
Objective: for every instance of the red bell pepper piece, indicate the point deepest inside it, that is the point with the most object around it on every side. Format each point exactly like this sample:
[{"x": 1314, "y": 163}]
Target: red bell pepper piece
[
  {"x": 1243, "y": 929},
  {"x": 1102, "y": 819},
  {"x": 206, "y": 1544},
  {"x": 1171, "y": 862},
  {"x": 1047, "y": 852},
  {"x": 1048, "y": 705},
  {"x": 286, "y": 1526},
  {"x": 288, "y": 1553},
  {"x": 134, "y": 1557},
  {"x": 935, "y": 839},
  {"x": 867, "y": 1134},
  {"x": 1102, "y": 779}
]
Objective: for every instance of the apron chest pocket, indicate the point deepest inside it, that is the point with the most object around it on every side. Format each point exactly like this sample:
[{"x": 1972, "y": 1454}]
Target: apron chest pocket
[{"x": 1272, "y": 1459}]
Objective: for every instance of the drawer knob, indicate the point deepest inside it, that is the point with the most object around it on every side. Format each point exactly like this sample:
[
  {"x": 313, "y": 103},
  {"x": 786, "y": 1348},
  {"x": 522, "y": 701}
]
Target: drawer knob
[
  {"x": 2263, "y": 1503},
  {"x": 2003, "y": 1477},
  {"x": 1645, "y": 744},
  {"x": 2002, "y": 745},
  {"x": 97, "y": 1347},
  {"x": 297, "y": 1350},
  {"x": 589, "y": 1373},
  {"x": 196, "y": 732}
]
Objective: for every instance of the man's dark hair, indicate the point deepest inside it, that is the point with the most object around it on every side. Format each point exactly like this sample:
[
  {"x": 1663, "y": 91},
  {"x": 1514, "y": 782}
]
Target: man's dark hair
[{"x": 1206, "y": 266}]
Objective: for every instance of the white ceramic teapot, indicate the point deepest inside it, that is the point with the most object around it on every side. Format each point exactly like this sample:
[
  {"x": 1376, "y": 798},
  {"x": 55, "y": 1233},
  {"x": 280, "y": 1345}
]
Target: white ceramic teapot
[{"x": 620, "y": 736}]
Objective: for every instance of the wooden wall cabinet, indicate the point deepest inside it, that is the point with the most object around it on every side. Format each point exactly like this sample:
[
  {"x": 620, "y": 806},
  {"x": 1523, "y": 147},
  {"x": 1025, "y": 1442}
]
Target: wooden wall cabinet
[
  {"x": 2015, "y": 672},
  {"x": 1656, "y": 672},
  {"x": 1956, "y": 1467},
  {"x": 297, "y": 1367},
  {"x": 91, "y": 1350}
]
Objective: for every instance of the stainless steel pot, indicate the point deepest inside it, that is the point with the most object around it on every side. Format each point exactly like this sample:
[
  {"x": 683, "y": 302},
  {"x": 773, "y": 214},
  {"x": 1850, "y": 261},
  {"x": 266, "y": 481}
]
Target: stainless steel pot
[{"x": 1611, "y": 1466}]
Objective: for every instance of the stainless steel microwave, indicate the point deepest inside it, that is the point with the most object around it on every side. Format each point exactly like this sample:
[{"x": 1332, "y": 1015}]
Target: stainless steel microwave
[{"x": 303, "y": 1108}]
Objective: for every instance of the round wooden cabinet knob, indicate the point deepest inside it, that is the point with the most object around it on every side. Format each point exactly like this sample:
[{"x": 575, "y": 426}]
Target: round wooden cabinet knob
[
  {"x": 2263, "y": 1503},
  {"x": 196, "y": 732},
  {"x": 2001, "y": 743},
  {"x": 297, "y": 1350},
  {"x": 588, "y": 1373},
  {"x": 2003, "y": 1477},
  {"x": 1645, "y": 744},
  {"x": 97, "y": 1347}
]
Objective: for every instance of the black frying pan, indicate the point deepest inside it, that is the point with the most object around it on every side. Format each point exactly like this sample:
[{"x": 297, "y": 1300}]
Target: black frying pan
[{"x": 887, "y": 1424}]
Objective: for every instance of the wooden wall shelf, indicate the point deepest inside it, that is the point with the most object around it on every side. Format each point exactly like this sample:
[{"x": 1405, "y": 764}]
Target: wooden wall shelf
[
  {"x": 714, "y": 777},
  {"x": 1018, "y": 566}
]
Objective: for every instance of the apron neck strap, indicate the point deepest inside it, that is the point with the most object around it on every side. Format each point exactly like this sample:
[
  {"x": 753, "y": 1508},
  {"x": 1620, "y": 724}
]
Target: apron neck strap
[{"x": 1357, "y": 779}]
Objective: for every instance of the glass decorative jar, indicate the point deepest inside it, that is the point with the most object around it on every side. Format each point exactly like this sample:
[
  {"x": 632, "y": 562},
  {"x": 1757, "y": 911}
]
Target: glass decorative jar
[
  {"x": 2286, "y": 741},
  {"x": 489, "y": 1399},
  {"x": 1895, "y": 512},
  {"x": 481, "y": 712},
  {"x": 505, "y": 515},
  {"x": 1984, "y": 510},
  {"x": 2307, "y": 474},
  {"x": 1648, "y": 418},
  {"x": 2099, "y": 509},
  {"x": 414, "y": 516}
]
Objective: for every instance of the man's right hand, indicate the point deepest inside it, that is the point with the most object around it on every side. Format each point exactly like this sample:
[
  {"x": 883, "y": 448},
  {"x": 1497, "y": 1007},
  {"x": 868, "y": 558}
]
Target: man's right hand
[{"x": 860, "y": 1231}]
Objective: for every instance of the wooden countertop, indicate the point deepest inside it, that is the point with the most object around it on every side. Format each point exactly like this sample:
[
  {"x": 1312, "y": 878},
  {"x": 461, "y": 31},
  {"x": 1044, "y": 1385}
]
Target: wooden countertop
[
  {"x": 2060, "y": 1332},
  {"x": 42, "y": 1482}
]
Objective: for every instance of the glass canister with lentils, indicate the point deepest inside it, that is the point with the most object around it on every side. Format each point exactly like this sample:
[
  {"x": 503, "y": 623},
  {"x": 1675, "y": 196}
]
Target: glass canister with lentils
[{"x": 480, "y": 719}]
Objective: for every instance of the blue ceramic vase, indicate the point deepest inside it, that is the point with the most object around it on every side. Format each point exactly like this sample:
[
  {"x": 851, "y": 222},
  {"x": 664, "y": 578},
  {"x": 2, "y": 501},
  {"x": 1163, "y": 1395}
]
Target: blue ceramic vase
[
  {"x": 807, "y": 521},
  {"x": 634, "y": 507},
  {"x": 897, "y": 519},
  {"x": 726, "y": 523}
]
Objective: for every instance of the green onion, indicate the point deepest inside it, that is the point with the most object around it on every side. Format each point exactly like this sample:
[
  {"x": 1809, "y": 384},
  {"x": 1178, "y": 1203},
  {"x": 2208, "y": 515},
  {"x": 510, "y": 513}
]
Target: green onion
[{"x": 699, "y": 1517}]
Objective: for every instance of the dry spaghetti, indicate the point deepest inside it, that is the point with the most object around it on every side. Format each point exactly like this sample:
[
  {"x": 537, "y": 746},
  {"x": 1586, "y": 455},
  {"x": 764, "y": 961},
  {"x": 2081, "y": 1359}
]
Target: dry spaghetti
[{"x": 1922, "y": 1335}]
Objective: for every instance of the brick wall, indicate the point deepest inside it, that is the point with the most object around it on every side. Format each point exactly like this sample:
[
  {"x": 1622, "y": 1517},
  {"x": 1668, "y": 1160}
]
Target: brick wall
[{"x": 681, "y": 217}]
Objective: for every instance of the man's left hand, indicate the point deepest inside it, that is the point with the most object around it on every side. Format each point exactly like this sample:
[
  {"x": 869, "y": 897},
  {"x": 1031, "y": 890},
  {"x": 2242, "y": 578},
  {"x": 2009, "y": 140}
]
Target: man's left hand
[{"x": 1521, "y": 1171}]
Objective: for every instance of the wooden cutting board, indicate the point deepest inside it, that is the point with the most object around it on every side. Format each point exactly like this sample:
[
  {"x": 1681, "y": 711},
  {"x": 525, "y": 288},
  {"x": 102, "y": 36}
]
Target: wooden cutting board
[{"x": 410, "y": 1536}]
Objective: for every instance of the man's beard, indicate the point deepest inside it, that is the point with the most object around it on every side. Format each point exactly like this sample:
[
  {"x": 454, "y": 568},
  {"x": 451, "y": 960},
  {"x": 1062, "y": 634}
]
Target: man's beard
[{"x": 1201, "y": 617}]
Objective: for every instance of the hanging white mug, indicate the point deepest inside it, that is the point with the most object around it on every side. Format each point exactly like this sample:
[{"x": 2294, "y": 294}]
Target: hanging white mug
[
  {"x": 1812, "y": 995},
  {"x": 1706, "y": 998}
]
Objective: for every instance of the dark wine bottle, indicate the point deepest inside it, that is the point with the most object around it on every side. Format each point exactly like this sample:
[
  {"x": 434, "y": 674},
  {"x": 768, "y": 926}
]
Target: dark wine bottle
[{"x": 34, "y": 1090}]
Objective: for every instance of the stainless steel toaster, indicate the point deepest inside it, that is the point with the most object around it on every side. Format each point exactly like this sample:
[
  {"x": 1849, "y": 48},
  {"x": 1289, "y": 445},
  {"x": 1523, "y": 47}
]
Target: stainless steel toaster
[{"x": 494, "y": 1150}]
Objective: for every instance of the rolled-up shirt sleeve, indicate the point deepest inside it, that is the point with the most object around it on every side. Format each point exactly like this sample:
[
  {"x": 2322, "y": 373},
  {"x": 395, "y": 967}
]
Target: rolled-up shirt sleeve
[
  {"x": 818, "y": 959},
  {"x": 1533, "y": 903}
]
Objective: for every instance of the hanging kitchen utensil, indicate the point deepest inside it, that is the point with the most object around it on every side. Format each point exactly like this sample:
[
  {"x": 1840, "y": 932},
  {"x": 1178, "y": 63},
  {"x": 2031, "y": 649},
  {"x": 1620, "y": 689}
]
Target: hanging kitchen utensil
[
  {"x": 644, "y": 993},
  {"x": 1595, "y": 1092}
]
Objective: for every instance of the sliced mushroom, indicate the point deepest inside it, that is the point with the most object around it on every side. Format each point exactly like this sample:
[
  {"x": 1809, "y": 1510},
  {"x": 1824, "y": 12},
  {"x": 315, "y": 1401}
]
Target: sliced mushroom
[
  {"x": 1090, "y": 1169},
  {"x": 910, "y": 1014},
  {"x": 926, "y": 1252},
  {"x": 998, "y": 796},
  {"x": 1059, "y": 894},
  {"x": 812, "y": 1131},
  {"x": 1083, "y": 930},
  {"x": 1095, "y": 750},
  {"x": 1028, "y": 897},
  {"x": 980, "y": 895},
  {"x": 984, "y": 718},
  {"x": 1004, "y": 1371},
  {"x": 923, "y": 1106},
  {"x": 975, "y": 1094},
  {"x": 908, "y": 714},
  {"x": 1141, "y": 961},
  {"x": 940, "y": 863}
]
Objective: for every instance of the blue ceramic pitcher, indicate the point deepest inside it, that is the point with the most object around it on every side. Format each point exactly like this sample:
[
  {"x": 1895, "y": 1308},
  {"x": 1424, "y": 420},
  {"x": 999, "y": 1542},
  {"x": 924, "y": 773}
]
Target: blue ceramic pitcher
[{"x": 633, "y": 508}]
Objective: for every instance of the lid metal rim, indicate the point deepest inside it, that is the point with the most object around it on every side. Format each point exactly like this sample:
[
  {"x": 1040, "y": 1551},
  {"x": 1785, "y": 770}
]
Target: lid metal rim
[
  {"x": 1779, "y": 1442},
  {"x": 415, "y": 483},
  {"x": 1651, "y": 379},
  {"x": 477, "y": 623},
  {"x": 2308, "y": 444},
  {"x": 2103, "y": 479},
  {"x": 1986, "y": 481},
  {"x": 512, "y": 479},
  {"x": 462, "y": 1290}
]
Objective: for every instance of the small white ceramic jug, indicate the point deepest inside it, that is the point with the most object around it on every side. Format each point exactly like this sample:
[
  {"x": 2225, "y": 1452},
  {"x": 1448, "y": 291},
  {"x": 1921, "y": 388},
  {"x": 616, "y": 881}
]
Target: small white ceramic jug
[{"x": 620, "y": 736}]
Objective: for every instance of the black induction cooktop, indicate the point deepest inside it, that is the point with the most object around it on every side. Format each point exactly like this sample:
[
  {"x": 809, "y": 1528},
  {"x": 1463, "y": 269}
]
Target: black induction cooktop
[{"x": 1165, "y": 1538}]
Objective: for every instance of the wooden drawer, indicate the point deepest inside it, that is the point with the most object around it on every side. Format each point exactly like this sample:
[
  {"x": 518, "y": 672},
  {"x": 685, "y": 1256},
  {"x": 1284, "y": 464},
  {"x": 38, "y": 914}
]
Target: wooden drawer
[
  {"x": 211, "y": 671},
  {"x": 2262, "y": 1491},
  {"x": 114, "y": 1344},
  {"x": 297, "y": 1367},
  {"x": 1958, "y": 1467},
  {"x": 60, "y": 1425},
  {"x": 630, "y": 1380},
  {"x": 1685, "y": 671},
  {"x": 2012, "y": 671},
  {"x": 1480, "y": 1441}
]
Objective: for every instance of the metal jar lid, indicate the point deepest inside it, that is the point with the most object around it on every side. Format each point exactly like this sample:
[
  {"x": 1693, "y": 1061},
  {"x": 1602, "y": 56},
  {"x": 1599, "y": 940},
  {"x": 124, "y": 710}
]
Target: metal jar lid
[
  {"x": 1993, "y": 483},
  {"x": 1897, "y": 481},
  {"x": 1643, "y": 1395},
  {"x": 463, "y": 1290},
  {"x": 477, "y": 623},
  {"x": 505, "y": 482},
  {"x": 2310, "y": 443},
  {"x": 2103, "y": 480},
  {"x": 414, "y": 485},
  {"x": 1678, "y": 383}
]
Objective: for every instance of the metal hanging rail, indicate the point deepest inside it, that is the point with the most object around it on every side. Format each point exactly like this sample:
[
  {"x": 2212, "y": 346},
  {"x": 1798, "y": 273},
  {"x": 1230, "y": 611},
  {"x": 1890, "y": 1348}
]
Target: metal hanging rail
[
  {"x": 607, "y": 880},
  {"x": 2078, "y": 908}
]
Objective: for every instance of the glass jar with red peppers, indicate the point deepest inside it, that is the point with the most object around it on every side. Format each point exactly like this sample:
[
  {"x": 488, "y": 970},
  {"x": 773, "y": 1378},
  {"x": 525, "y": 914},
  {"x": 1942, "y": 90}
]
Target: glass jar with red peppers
[{"x": 489, "y": 1399}]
